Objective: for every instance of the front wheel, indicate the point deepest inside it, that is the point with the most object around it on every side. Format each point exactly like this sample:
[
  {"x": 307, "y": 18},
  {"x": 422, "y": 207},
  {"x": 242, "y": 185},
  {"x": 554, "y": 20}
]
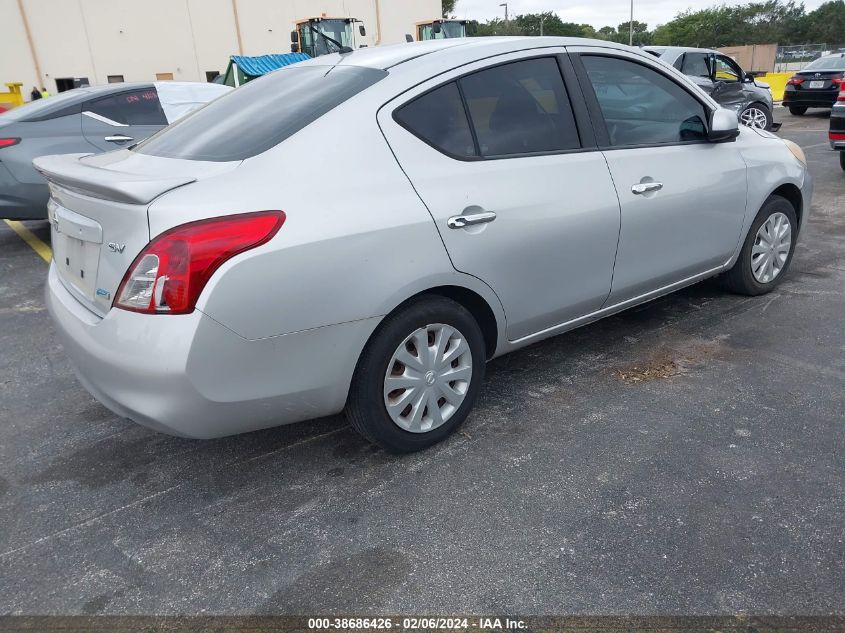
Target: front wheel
[
  {"x": 767, "y": 250},
  {"x": 757, "y": 116},
  {"x": 797, "y": 110},
  {"x": 418, "y": 377}
]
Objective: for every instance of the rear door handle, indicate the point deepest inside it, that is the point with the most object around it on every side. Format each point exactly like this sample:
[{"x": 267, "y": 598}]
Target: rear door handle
[
  {"x": 645, "y": 187},
  {"x": 463, "y": 221},
  {"x": 118, "y": 138}
]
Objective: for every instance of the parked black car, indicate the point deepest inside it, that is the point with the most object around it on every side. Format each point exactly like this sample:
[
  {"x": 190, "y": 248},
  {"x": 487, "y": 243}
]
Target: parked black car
[{"x": 817, "y": 86}]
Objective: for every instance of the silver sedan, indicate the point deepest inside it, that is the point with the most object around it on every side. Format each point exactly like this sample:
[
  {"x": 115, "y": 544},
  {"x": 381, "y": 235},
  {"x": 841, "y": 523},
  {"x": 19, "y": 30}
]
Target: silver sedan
[{"x": 362, "y": 232}]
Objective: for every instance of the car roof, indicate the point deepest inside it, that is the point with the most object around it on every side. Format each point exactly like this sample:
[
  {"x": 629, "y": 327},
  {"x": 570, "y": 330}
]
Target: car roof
[
  {"x": 386, "y": 57},
  {"x": 678, "y": 49}
]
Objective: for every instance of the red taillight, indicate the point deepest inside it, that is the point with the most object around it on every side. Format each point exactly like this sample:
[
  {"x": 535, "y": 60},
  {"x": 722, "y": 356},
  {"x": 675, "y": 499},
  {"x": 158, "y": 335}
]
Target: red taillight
[
  {"x": 8, "y": 142},
  {"x": 168, "y": 276},
  {"x": 841, "y": 82},
  {"x": 836, "y": 136},
  {"x": 795, "y": 81}
]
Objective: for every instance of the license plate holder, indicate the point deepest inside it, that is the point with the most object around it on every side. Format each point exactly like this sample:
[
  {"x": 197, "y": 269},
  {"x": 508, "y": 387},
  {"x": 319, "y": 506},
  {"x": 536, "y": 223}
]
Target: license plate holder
[
  {"x": 76, "y": 260},
  {"x": 816, "y": 85}
]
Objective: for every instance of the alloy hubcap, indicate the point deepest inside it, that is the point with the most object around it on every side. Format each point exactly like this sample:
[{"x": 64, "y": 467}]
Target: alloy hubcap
[
  {"x": 771, "y": 248},
  {"x": 427, "y": 378},
  {"x": 754, "y": 117}
]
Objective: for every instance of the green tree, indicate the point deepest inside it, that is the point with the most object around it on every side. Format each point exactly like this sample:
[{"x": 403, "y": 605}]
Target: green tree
[
  {"x": 825, "y": 25},
  {"x": 449, "y": 7},
  {"x": 529, "y": 24}
]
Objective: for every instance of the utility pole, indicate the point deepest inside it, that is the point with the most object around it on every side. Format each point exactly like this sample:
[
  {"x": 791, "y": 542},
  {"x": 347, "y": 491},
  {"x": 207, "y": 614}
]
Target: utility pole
[
  {"x": 631, "y": 26},
  {"x": 542, "y": 19}
]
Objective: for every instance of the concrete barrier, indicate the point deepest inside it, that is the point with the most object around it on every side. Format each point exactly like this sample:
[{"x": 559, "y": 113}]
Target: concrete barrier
[{"x": 777, "y": 81}]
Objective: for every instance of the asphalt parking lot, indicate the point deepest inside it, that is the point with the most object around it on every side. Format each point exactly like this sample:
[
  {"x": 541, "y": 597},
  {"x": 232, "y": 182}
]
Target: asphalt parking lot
[{"x": 685, "y": 457}]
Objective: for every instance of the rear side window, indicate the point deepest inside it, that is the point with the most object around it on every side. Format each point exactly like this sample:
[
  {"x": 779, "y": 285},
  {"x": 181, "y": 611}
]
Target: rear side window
[
  {"x": 696, "y": 65},
  {"x": 520, "y": 108},
  {"x": 513, "y": 109},
  {"x": 139, "y": 107},
  {"x": 261, "y": 114},
  {"x": 438, "y": 117},
  {"x": 641, "y": 106}
]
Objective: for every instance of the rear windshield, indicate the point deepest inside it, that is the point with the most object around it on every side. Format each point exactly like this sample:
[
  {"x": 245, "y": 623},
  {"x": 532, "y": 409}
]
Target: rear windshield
[
  {"x": 260, "y": 114},
  {"x": 836, "y": 62}
]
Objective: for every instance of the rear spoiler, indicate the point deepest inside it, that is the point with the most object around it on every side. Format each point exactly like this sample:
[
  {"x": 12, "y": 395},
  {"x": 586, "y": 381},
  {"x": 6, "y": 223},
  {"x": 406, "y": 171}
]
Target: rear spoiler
[{"x": 71, "y": 172}]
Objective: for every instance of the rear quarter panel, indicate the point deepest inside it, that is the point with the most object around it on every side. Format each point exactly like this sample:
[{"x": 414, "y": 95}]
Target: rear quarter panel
[{"x": 357, "y": 241}]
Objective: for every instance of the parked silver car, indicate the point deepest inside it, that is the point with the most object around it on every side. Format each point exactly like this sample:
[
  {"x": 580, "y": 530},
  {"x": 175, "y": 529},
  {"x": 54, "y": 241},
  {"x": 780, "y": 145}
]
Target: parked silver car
[
  {"x": 90, "y": 120},
  {"x": 412, "y": 212},
  {"x": 723, "y": 79}
]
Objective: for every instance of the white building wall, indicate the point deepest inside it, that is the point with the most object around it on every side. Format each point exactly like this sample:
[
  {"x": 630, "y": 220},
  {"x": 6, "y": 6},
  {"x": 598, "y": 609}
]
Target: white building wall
[
  {"x": 16, "y": 63},
  {"x": 139, "y": 38}
]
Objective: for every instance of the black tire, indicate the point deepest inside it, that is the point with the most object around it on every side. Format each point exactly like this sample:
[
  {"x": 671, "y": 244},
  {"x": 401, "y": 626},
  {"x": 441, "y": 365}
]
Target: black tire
[
  {"x": 842, "y": 160},
  {"x": 740, "y": 278},
  {"x": 797, "y": 110},
  {"x": 765, "y": 110},
  {"x": 365, "y": 407}
]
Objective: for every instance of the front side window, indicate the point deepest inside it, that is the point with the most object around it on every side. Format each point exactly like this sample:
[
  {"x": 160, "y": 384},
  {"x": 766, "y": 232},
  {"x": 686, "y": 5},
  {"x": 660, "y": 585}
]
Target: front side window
[
  {"x": 641, "y": 106},
  {"x": 438, "y": 118},
  {"x": 520, "y": 108},
  {"x": 139, "y": 107},
  {"x": 726, "y": 69}
]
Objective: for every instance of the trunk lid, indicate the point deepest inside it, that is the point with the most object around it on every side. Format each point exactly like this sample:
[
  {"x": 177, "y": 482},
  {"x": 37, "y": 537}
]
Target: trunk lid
[
  {"x": 821, "y": 79},
  {"x": 98, "y": 212}
]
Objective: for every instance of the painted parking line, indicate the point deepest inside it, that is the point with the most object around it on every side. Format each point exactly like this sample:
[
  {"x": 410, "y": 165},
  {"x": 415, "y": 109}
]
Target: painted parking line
[{"x": 30, "y": 238}]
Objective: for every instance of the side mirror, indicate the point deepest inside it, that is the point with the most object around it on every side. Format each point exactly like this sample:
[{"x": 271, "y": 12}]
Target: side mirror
[
  {"x": 362, "y": 30},
  {"x": 435, "y": 27},
  {"x": 724, "y": 126},
  {"x": 749, "y": 78},
  {"x": 409, "y": 38},
  {"x": 294, "y": 37}
]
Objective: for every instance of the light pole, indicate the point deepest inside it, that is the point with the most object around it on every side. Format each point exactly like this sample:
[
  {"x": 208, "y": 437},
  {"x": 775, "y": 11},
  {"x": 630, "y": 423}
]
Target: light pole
[
  {"x": 505, "y": 4},
  {"x": 631, "y": 26},
  {"x": 542, "y": 19}
]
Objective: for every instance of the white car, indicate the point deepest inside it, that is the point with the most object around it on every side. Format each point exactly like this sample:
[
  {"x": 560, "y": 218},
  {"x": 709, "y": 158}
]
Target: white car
[{"x": 364, "y": 231}]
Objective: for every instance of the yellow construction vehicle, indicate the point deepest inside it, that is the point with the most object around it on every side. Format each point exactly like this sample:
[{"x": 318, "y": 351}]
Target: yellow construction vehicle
[
  {"x": 441, "y": 29},
  {"x": 322, "y": 35}
]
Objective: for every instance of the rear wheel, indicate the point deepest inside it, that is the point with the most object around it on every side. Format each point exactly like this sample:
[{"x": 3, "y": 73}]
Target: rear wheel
[
  {"x": 842, "y": 160},
  {"x": 757, "y": 116},
  {"x": 418, "y": 377},
  {"x": 797, "y": 110},
  {"x": 767, "y": 250}
]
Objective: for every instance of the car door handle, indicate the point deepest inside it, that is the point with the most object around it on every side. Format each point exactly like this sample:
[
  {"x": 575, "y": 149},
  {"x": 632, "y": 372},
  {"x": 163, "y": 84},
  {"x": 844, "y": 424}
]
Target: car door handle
[
  {"x": 463, "y": 221},
  {"x": 118, "y": 138},
  {"x": 645, "y": 187}
]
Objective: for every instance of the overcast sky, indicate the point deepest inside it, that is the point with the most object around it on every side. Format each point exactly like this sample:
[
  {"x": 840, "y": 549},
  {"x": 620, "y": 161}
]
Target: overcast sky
[{"x": 598, "y": 13}]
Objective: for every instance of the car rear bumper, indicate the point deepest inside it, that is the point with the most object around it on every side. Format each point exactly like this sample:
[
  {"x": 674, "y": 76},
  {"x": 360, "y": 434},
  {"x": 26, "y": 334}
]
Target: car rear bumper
[
  {"x": 810, "y": 99},
  {"x": 188, "y": 375},
  {"x": 22, "y": 201},
  {"x": 837, "y": 127}
]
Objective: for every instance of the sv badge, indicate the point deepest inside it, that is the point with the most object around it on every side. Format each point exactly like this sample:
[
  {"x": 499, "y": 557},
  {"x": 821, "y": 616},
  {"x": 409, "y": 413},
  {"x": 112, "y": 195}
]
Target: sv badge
[{"x": 114, "y": 247}]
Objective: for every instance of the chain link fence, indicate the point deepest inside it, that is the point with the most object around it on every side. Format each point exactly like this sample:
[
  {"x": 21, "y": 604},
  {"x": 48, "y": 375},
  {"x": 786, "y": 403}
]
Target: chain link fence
[{"x": 792, "y": 58}]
